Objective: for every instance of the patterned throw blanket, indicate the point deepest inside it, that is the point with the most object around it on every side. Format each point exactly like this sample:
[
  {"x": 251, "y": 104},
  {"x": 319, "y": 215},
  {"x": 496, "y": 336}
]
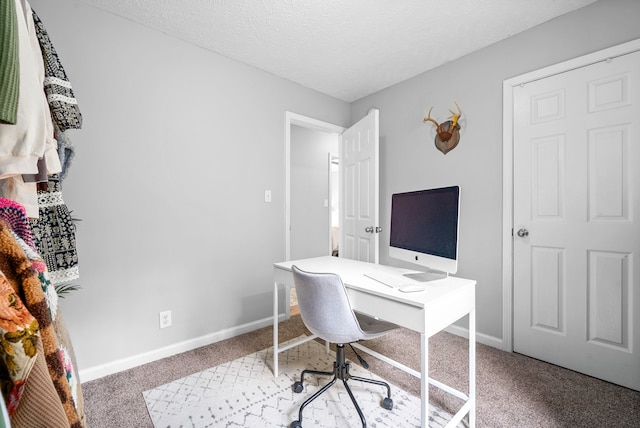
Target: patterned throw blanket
[{"x": 38, "y": 376}]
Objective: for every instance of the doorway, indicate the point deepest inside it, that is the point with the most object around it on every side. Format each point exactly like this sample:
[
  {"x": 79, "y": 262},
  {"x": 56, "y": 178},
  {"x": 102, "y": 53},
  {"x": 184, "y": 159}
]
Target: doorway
[
  {"x": 311, "y": 210},
  {"x": 311, "y": 148},
  {"x": 295, "y": 122}
]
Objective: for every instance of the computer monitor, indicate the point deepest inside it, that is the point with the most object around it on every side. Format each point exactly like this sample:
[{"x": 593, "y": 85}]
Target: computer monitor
[{"x": 424, "y": 230}]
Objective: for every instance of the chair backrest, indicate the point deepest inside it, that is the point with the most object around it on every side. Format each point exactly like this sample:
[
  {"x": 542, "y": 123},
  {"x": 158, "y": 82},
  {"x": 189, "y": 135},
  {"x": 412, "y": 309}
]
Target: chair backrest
[{"x": 324, "y": 306}]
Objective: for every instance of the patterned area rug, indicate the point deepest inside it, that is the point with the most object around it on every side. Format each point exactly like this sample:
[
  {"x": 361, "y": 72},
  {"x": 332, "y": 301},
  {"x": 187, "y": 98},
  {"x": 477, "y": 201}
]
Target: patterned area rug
[{"x": 244, "y": 393}]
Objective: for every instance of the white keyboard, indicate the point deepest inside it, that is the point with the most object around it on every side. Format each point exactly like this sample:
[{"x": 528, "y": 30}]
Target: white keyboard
[{"x": 393, "y": 280}]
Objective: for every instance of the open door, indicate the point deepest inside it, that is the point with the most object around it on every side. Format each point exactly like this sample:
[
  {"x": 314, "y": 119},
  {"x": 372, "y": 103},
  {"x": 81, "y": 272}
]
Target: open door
[{"x": 359, "y": 190}]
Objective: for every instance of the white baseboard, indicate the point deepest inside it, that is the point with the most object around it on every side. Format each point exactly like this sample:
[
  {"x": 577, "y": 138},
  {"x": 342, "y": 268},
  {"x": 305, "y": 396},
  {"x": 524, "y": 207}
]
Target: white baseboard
[
  {"x": 103, "y": 370},
  {"x": 485, "y": 339}
]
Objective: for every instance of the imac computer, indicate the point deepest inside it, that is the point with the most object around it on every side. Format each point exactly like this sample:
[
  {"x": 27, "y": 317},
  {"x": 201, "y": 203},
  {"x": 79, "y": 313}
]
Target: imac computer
[{"x": 424, "y": 231}]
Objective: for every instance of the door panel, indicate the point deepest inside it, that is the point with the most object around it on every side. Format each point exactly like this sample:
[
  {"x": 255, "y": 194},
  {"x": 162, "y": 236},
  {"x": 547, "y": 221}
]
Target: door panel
[
  {"x": 547, "y": 288},
  {"x": 577, "y": 194}
]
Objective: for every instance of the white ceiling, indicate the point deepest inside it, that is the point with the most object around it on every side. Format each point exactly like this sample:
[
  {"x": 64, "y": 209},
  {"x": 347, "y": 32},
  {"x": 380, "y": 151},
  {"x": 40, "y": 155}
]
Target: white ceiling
[{"x": 344, "y": 48}]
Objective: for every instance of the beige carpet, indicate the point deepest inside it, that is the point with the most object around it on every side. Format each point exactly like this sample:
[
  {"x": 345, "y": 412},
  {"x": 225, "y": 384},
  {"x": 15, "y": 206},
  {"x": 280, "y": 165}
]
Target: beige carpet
[
  {"x": 244, "y": 392},
  {"x": 512, "y": 390}
]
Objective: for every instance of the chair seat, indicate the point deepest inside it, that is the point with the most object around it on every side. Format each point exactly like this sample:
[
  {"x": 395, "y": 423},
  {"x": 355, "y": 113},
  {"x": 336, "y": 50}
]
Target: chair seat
[{"x": 373, "y": 327}]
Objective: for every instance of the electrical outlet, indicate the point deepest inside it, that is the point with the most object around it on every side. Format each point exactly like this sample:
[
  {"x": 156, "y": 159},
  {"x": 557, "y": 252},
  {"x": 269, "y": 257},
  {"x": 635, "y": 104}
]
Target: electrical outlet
[{"x": 165, "y": 319}]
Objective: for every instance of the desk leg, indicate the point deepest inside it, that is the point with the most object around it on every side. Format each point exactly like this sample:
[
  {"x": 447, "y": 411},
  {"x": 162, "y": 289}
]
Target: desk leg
[
  {"x": 275, "y": 329},
  {"x": 472, "y": 368},
  {"x": 424, "y": 381}
]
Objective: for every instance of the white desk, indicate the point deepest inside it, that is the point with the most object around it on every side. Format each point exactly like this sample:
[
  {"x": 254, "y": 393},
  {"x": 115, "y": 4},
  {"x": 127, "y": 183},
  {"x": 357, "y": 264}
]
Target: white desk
[{"x": 427, "y": 312}]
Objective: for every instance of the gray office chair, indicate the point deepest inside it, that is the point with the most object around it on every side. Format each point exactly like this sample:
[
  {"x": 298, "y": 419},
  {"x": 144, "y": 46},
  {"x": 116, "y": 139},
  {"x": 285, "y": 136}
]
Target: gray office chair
[{"x": 325, "y": 310}]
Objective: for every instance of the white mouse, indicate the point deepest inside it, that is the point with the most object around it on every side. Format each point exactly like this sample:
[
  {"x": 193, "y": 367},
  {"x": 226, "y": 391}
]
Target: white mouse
[{"x": 410, "y": 288}]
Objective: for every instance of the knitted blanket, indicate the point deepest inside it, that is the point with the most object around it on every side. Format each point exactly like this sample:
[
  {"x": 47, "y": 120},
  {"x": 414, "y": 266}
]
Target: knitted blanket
[
  {"x": 61, "y": 391},
  {"x": 18, "y": 337}
]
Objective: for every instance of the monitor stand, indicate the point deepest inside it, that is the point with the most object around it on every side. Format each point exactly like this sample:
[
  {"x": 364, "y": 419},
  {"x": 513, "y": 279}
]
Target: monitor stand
[{"x": 430, "y": 275}]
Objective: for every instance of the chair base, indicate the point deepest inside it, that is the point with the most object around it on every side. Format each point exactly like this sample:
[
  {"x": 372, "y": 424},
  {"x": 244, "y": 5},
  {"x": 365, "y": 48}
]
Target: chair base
[{"x": 340, "y": 371}]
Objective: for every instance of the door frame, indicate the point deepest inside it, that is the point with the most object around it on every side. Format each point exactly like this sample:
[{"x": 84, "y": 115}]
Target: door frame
[
  {"x": 508, "y": 172},
  {"x": 291, "y": 118},
  {"x": 333, "y": 158}
]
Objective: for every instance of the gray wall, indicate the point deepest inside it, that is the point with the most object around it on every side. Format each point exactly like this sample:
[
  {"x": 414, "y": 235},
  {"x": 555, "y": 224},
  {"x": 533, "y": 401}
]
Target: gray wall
[
  {"x": 410, "y": 161},
  {"x": 177, "y": 148},
  {"x": 310, "y": 220}
]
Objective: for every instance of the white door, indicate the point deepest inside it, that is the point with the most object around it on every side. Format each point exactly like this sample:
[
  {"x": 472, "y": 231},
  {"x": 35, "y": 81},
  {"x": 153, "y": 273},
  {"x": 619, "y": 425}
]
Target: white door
[
  {"x": 576, "y": 217},
  {"x": 359, "y": 208}
]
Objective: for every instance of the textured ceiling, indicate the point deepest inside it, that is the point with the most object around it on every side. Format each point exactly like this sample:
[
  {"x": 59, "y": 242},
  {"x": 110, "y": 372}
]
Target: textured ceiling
[{"x": 344, "y": 48}]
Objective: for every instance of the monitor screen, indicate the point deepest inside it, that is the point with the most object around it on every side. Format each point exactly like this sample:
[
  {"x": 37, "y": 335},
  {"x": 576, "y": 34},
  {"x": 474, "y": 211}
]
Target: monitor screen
[{"x": 424, "y": 228}]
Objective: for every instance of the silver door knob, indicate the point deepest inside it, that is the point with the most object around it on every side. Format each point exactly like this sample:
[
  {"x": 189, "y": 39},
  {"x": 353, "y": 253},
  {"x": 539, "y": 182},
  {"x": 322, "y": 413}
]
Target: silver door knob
[
  {"x": 523, "y": 233},
  {"x": 368, "y": 229}
]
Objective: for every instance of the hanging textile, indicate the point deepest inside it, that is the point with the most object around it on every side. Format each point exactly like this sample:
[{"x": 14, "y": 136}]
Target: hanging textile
[
  {"x": 18, "y": 336},
  {"x": 62, "y": 101},
  {"x": 60, "y": 96},
  {"x": 54, "y": 229},
  {"x": 54, "y": 234},
  {"x": 38, "y": 377},
  {"x": 66, "y": 152},
  {"x": 15, "y": 216},
  {"x": 9, "y": 63},
  {"x": 31, "y": 139},
  {"x": 31, "y": 284}
]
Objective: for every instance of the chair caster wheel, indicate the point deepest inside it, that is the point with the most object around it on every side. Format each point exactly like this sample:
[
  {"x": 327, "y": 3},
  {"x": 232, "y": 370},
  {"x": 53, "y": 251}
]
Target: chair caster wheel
[
  {"x": 297, "y": 387},
  {"x": 295, "y": 424},
  {"x": 387, "y": 403}
]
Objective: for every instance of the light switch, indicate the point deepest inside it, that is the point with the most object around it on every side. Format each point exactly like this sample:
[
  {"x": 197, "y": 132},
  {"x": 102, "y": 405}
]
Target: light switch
[{"x": 267, "y": 195}]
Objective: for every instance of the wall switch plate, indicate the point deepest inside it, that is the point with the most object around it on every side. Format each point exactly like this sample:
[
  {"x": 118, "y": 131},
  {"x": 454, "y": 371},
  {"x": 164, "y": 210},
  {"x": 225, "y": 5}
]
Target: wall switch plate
[
  {"x": 165, "y": 319},
  {"x": 267, "y": 195}
]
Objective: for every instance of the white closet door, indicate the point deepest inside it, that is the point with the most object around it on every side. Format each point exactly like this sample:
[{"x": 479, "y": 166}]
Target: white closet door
[{"x": 577, "y": 220}]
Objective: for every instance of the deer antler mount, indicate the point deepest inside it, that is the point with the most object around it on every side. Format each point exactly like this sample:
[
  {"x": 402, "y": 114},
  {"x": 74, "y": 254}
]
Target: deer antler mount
[{"x": 447, "y": 133}]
